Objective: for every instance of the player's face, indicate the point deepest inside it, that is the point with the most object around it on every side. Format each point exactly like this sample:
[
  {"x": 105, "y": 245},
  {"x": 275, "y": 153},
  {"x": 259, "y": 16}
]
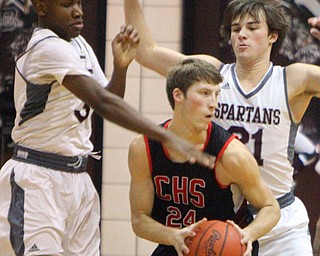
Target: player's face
[
  {"x": 199, "y": 104},
  {"x": 250, "y": 39},
  {"x": 64, "y": 17}
]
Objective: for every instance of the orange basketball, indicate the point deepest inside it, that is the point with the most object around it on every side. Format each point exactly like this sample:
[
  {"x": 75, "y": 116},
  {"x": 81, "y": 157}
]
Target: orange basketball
[{"x": 215, "y": 237}]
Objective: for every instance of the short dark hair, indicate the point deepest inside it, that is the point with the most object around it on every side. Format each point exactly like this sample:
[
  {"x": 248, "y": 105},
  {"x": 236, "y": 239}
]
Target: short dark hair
[
  {"x": 187, "y": 72},
  {"x": 273, "y": 10}
]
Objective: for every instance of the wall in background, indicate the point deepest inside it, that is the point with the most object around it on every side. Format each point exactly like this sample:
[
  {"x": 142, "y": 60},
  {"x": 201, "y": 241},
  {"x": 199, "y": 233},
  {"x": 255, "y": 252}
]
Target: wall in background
[{"x": 146, "y": 92}]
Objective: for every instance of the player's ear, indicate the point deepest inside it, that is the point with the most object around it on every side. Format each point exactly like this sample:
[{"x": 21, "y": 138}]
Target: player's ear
[
  {"x": 178, "y": 95},
  {"x": 40, "y": 7},
  {"x": 273, "y": 36}
]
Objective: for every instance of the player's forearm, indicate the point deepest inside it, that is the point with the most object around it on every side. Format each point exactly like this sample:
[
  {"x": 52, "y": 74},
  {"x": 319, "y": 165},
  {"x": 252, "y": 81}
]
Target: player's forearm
[
  {"x": 119, "y": 112},
  {"x": 265, "y": 220},
  {"x": 147, "y": 228},
  {"x": 117, "y": 83},
  {"x": 134, "y": 16},
  {"x": 113, "y": 108}
]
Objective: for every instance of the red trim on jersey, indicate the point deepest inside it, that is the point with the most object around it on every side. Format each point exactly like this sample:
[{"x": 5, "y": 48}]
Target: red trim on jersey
[
  {"x": 148, "y": 152},
  {"x": 208, "y": 135},
  {"x": 220, "y": 155}
]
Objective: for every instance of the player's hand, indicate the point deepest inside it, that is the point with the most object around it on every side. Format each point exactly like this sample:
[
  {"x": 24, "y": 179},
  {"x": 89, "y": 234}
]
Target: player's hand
[
  {"x": 182, "y": 151},
  {"x": 125, "y": 46},
  {"x": 314, "y": 22},
  {"x": 244, "y": 238},
  {"x": 180, "y": 236}
]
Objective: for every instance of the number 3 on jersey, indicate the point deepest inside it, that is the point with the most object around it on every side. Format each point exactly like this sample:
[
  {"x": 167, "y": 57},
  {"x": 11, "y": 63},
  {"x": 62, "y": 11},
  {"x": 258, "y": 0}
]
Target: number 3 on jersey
[{"x": 83, "y": 113}]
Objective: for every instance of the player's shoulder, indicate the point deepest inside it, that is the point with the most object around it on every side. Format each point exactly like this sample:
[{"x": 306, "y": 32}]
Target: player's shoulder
[
  {"x": 236, "y": 152},
  {"x": 298, "y": 74},
  {"x": 297, "y": 67},
  {"x": 47, "y": 43},
  {"x": 137, "y": 143},
  {"x": 138, "y": 156},
  {"x": 46, "y": 36}
]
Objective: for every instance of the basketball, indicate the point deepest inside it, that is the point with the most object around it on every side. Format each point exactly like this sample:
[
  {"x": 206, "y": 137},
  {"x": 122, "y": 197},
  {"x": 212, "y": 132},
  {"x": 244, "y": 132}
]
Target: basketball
[{"x": 215, "y": 238}]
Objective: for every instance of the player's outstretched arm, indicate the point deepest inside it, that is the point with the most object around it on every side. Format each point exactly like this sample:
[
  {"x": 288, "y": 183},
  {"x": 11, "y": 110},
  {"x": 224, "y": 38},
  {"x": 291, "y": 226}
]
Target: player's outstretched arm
[
  {"x": 150, "y": 54},
  {"x": 124, "y": 49},
  {"x": 114, "y": 109}
]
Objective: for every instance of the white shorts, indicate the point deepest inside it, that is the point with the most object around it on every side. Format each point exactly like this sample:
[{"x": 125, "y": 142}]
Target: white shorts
[
  {"x": 47, "y": 212},
  {"x": 290, "y": 237}
]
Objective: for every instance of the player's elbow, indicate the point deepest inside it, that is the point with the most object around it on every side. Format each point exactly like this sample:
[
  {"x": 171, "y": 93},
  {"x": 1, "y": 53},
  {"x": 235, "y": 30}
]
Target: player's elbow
[
  {"x": 146, "y": 54},
  {"x": 276, "y": 211},
  {"x": 136, "y": 224}
]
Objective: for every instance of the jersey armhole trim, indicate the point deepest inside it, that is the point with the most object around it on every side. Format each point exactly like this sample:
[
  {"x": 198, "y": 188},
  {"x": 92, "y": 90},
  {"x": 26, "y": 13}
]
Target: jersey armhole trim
[
  {"x": 232, "y": 137},
  {"x": 286, "y": 94}
]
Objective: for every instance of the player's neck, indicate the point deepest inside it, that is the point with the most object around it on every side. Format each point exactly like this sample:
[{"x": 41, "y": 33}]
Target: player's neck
[
  {"x": 189, "y": 133},
  {"x": 250, "y": 74}
]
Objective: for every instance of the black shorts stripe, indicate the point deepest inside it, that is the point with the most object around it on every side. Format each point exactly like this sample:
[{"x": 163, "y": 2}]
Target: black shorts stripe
[{"x": 15, "y": 216}]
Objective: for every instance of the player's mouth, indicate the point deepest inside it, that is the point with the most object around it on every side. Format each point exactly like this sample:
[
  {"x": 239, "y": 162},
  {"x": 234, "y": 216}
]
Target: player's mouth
[
  {"x": 77, "y": 25},
  {"x": 242, "y": 46}
]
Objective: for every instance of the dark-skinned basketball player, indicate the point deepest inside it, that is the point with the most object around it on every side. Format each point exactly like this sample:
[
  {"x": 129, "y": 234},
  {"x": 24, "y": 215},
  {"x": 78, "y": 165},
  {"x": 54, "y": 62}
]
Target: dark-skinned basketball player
[{"x": 49, "y": 205}]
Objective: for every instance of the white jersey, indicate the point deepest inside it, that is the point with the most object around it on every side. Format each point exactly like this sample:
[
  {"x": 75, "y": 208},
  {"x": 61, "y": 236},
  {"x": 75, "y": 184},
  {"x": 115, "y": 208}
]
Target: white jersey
[
  {"x": 262, "y": 120},
  {"x": 48, "y": 114}
]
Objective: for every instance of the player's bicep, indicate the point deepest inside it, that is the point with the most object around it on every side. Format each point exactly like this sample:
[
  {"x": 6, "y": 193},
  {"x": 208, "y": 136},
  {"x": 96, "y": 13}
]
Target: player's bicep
[
  {"x": 241, "y": 168},
  {"x": 86, "y": 89},
  {"x": 251, "y": 184},
  {"x": 141, "y": 185}
]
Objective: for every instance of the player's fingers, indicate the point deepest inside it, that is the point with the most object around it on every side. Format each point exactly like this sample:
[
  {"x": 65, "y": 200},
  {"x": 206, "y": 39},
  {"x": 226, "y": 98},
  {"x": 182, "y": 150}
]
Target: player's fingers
[
  {"x": 203, "y": 159},
  {"x": 185, "y": 250},
  {"x": 191, "y": 232},
  {"x": 128, "y": 30},
  {"x": 200, "y": 221},
  {"x": 314, "y": 21},
  {"x": 315, "y": 33},
  {"x": 119, "y": 37},
  {"x": 122, "y": 29},
  {"x": 248, "y": 249},
  {"x": 234, "y": 225},
  {"x": 129, "y": 33},
  {"x": 124, "y": 32},
  {"x": 135, "y": 36}
]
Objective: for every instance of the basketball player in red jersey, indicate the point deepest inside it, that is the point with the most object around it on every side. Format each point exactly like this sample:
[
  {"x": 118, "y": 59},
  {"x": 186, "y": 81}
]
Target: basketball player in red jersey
[{"x": 170, "y": 197}]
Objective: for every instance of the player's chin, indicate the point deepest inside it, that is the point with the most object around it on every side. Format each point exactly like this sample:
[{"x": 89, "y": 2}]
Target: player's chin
[
  {"x": 202, "y": 126},
  {"x": 75, "y": 33}
]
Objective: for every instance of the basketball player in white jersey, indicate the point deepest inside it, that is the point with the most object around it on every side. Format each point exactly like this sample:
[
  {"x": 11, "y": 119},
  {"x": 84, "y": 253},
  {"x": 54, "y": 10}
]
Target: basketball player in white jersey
[
  {"x": 263, "y": 104},
  {"x": 49, "y": 205}
]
